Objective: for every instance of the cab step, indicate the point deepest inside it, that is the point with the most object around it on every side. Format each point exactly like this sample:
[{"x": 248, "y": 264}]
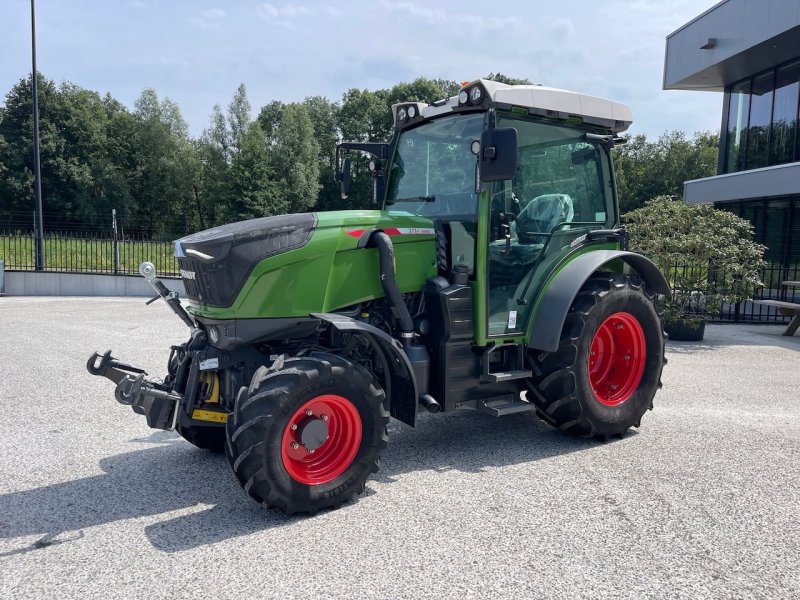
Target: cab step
[
  {"x": 507, "y": 376},
  {"x": 503, "y": 407}
]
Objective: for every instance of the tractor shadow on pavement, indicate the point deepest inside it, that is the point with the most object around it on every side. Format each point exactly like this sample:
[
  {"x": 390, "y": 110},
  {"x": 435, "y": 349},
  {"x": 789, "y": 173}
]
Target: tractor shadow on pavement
[{"x": 171, "y": 476}]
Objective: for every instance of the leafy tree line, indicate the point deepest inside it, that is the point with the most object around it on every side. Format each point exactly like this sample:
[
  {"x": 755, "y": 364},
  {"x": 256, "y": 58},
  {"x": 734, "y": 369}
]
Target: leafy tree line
[
  {"x": 646, "y": 170},
  {"x": 98, "y": 155}
]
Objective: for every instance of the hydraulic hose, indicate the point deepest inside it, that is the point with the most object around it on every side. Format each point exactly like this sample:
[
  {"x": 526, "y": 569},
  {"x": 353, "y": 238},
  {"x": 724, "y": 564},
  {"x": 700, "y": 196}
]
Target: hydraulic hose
[{"x": 383, "y": 243}]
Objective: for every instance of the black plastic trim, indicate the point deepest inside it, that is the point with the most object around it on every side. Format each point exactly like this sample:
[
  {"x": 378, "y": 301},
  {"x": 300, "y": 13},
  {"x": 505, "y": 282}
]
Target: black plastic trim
[
  {"x": 558, "y": 298},
  {"x": 403, "y": 391}
]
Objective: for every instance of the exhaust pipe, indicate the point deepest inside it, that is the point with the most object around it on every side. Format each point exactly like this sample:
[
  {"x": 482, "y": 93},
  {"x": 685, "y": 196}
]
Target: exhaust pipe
[{"x": 429, "y": 403}]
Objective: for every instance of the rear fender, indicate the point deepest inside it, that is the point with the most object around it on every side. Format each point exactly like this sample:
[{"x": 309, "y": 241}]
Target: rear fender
[
  {"x": 546, "y": 329},
  {"x": 401, "y": 383}
]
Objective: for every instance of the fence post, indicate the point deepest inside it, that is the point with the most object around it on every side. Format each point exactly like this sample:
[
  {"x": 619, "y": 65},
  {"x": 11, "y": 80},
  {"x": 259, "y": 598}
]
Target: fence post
[
  {"x": 35, "y": 237},
  {"x": 115, "y": 240}
]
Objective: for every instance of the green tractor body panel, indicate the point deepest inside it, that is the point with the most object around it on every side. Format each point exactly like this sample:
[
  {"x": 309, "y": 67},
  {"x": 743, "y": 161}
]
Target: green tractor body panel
[{"x": 332, "y": 270}]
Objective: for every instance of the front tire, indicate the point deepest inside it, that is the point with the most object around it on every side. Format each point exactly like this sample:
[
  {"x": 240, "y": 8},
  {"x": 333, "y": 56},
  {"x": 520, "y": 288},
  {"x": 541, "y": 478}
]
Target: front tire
[
  {"x": 306, "y": 437},
  {"x": 607, "y": 368},
  {"x": 211, "y": 438}
]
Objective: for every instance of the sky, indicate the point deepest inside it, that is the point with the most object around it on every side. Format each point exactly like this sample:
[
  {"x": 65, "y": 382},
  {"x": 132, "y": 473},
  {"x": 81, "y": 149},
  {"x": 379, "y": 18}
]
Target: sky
[{"x": 197, "y": 52}]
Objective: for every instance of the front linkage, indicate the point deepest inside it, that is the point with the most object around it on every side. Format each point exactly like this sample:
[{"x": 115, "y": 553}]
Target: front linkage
[{"x": 160, "y": 402}]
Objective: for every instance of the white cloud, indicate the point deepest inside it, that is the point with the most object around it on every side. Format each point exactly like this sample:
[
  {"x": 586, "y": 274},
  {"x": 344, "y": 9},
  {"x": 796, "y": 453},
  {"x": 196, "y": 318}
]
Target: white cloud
[
  {"x": 436, "y": 16},
  {"x": 213, "y": 13},
  {"x": 287, "y": 11}
]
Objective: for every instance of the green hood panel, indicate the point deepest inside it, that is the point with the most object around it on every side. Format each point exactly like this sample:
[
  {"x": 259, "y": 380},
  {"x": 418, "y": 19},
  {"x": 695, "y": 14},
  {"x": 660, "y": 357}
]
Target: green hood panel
[{"x": 330, "y": 271}]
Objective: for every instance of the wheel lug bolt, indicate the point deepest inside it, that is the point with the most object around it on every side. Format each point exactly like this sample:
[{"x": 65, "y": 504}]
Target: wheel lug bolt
[
  {"x": 613, "y": 388},
  {"x": 311, "y": 452},
  {"x": 308, "y": 412},
  {"x": 324, "y": 417},
  {"x": 295, "y": 445},
  {"x": 619, "y": 326},
  {"x": 294, "y": 426}
]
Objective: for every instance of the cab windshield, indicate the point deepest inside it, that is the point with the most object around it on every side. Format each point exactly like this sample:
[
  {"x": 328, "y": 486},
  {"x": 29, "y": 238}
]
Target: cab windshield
[{"x": 433, "y": 171}]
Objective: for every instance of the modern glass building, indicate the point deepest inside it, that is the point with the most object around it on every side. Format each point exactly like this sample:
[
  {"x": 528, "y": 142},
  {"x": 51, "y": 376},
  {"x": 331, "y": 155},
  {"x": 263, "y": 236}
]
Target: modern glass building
[{"x": 749, "y": 51}]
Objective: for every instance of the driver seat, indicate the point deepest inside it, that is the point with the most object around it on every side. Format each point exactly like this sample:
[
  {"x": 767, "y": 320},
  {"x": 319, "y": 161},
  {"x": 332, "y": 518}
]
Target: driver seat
[{"x": 541, "y": 215}]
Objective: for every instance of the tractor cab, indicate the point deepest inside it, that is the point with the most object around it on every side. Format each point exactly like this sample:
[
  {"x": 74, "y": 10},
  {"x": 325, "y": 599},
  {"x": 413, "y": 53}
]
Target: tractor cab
[{"x": 514, "y": 178}]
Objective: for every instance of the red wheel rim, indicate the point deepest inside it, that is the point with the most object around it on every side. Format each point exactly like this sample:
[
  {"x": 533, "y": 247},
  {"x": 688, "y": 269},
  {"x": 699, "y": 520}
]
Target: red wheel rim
[
  {"x": 329, "y": 460},
  {"x": 616, "y": 359}
]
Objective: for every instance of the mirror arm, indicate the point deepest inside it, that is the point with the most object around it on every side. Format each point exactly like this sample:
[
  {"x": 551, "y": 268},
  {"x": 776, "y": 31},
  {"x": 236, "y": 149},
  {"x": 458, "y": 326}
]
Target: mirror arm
[{"x": 380, "y": 151}]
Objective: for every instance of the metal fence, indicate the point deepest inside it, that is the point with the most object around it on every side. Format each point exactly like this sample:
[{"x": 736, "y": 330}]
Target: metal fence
[
  {"x": 773, "y": 276},
  {"x": 87, "y": 252},
  {"x": 120, "y": 254}
]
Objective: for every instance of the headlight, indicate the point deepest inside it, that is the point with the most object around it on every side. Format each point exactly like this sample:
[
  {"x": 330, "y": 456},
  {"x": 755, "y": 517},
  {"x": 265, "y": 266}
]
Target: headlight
[
  {"x": 463, "y": 97},
  {"x": 402, "y": 115},
  {"x": 412, "y": 112},
  {"x": 475, "y": 95},
  {"x": 213, "y": 335}
]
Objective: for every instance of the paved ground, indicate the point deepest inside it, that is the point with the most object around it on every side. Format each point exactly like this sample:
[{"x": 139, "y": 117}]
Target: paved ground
[{"x": 703, "y": 501}]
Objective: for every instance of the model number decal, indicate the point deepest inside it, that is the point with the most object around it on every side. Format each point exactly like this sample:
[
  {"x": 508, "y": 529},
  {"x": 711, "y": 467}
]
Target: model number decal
[
  {"x": 396, "y": 231},
  {"x": 578, "y": 240},
  {"x": 187, "y": 274}
]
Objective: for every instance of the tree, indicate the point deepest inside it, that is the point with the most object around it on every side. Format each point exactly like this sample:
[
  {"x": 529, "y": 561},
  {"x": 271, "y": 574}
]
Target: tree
[
  {"x": 645, "y": 169},
  {"x": 254, "y": 193},
  {"x": 239, "y": 117},
  {"x": 295, "y": 157},
  {"x": 324, "y": 114},
  {"x": 269, "y": 117},
  {"x": 500, "y": 78},
  {"x": 164, "y": 177}
]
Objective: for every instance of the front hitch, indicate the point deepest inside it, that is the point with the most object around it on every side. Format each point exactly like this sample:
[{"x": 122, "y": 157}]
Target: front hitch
[{"x": 145, "y": 396}]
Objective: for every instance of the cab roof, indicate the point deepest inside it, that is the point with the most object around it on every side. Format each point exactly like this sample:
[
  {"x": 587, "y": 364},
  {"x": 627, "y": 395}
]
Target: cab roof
[{"x": 535, "y": 99}]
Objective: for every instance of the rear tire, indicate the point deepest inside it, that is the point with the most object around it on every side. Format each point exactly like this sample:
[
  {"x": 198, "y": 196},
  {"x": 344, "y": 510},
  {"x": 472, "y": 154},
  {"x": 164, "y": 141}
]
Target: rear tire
[
  {"x": 271, "y": 435},
  {"x": 607, "y": 368}
]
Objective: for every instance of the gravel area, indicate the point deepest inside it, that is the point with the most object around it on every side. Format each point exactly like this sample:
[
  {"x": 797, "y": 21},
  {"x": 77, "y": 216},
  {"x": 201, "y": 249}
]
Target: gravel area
[{"x": 702, "y": 501}]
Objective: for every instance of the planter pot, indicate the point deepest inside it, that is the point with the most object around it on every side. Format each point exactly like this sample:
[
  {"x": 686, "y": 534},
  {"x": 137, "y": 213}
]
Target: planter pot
[{"x": 685, "y": 332}]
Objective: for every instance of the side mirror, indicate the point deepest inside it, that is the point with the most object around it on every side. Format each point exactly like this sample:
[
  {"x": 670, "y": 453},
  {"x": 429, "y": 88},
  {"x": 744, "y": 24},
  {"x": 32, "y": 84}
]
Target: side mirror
[
  {"x": 344, "y": 178},
  {"x": 498, "y": 157}
]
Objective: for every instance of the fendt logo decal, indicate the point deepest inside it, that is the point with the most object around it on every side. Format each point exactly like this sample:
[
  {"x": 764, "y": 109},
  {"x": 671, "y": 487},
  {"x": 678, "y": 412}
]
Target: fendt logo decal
[{"x": 396, "y": 231}]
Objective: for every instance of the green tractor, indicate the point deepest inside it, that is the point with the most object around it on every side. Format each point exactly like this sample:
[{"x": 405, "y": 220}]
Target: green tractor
[{"x": 495, "y": 278}]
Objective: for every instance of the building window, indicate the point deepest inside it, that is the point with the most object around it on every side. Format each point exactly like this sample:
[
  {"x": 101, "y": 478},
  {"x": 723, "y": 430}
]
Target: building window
[
  {"x": 784, "y": 117},
  {"x": 737, "y": 126},
  {"x": 763, "y": 128},
  {"x": 760, "y": 117}
]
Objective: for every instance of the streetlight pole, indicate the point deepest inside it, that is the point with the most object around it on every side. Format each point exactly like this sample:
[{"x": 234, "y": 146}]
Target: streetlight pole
[{"x": 37, "y": 167}]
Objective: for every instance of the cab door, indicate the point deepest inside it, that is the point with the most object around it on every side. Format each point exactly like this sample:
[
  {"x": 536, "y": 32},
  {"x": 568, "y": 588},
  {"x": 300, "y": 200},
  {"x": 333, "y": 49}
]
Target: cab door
[{"x": 562, "y": 188}]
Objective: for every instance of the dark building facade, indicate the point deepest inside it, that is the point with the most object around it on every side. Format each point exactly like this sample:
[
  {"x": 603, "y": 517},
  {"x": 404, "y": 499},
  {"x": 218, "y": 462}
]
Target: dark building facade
[{"x": 750, "y": 52}]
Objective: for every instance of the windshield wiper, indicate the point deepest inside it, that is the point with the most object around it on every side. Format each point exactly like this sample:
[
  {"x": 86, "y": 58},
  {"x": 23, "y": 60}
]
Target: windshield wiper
[{"x": 417, "y": 199}]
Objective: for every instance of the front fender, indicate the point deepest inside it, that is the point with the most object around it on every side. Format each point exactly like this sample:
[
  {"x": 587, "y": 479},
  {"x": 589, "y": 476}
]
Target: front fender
[
  {"x": 545, "y": 332},
  {"x": 401, "y": 383}
]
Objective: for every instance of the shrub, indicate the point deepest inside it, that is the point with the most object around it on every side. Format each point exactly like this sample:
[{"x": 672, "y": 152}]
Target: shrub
[{"x": 708, "y": 255}]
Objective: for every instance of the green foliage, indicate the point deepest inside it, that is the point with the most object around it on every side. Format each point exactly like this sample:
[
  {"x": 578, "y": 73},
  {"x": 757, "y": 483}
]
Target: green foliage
[
  {"x": 646, "y": 170},
  {"x": 295, "y": 159},
  {"x": 500, "y": 78},
  {"x": 708, "y": 256},
  {"x": 253, "y": 189}
]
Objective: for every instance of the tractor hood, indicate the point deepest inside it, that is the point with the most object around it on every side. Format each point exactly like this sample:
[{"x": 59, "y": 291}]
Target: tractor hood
[
  {"x": 214, "y": 263},
  {"x": 217, "y": 263}
]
